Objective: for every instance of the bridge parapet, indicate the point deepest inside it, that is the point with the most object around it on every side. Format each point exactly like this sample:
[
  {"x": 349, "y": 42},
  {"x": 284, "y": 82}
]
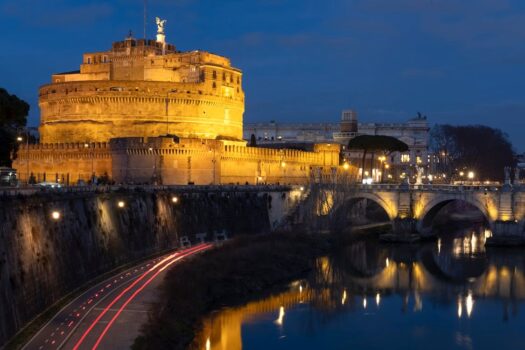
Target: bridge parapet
[{"x": 502, "y": 206}]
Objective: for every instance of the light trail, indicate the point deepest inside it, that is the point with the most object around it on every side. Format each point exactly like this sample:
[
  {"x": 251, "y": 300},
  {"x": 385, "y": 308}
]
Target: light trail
[
  {"x": 169, "y": 260},
  {"x": 117, "y": 314}
]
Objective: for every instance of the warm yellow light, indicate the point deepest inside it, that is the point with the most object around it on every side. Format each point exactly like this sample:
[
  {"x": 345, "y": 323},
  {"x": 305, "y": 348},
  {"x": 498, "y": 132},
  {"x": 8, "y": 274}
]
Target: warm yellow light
[
  {"x": 343, "y": 299},
  {"x": 387, "y": 166},
  {"x": 461, "y": 173},
  {"x": 470, "y": 175},
  {"x": 208, "y": 344},
  {"x": 55, "y": 215},
  {"x": 469, "y": 304},
  {"x": 301, "y": 188},
  {"x": 121, "y": 204},
  {"x": 283, "y": 164},
  {"x": 346, "y": 166},
  {"x": 19, "y": 138},
  {"x": 387, "y": 262},
  {"x": 174, "y": 199},
  {"x": 280, "y": 319},
  {"x": 86, "y": 145},
  {"x": 378, "y": 299}
]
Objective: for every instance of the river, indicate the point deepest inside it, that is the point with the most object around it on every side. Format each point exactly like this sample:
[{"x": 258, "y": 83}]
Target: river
[{"x": 452, "y": 293}]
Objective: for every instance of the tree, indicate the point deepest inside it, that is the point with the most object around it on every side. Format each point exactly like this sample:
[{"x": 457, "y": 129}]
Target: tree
[
  {"x": 13, "y": 117},
  {"x": 376, "y": 143},
  {"x": 484, "y": 150}
]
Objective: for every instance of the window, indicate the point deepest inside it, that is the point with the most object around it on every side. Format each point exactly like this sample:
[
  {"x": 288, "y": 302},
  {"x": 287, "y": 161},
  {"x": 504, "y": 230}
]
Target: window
[
  {"x": 214, "y": 75},
  {"x": 238, "y": 80},
  {"x": 89, "y": 60},
  {"x": 405, "y": 158},
  {"x": 214, "y": 85},
  {"x": 223, "y": 76}
]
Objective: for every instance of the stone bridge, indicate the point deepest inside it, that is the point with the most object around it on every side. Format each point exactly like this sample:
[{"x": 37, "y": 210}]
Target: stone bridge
[{"x": 417, "y": 205}]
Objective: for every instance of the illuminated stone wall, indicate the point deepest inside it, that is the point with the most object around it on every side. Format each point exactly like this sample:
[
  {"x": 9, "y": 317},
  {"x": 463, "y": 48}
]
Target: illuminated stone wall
[{"x": 170, "y": 161}]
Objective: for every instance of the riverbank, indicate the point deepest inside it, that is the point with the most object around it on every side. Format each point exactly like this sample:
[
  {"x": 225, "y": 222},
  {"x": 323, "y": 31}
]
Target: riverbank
[{"x": 241, "y": 269}]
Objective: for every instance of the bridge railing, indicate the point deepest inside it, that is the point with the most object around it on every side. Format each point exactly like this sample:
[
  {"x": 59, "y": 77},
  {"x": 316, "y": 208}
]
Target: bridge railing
[{"x": 429, "y": 187}]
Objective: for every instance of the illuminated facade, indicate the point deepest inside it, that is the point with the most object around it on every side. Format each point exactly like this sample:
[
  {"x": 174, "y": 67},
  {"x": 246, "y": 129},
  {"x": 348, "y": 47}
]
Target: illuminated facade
[
  {"x": 142, "y": 88},
  {"x": 144, "y": 112}
]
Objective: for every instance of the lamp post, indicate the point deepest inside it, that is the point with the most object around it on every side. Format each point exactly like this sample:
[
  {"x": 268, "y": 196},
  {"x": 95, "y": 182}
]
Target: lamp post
[{"x": 20, "y": 139}]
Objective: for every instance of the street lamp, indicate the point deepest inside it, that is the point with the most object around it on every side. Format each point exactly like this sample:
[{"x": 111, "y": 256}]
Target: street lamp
[
  {"x": 471, "y": 175},
  {"x": 20, "y": 139},
  {"x": 55, "y": 215}
]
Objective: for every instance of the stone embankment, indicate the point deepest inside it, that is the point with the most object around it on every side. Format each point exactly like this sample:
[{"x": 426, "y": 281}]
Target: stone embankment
[{"x": 43, "y": 258}]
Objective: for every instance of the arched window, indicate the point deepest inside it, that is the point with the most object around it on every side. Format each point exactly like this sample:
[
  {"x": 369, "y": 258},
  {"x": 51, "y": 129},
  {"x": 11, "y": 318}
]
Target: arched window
[
  {"x": 214, "y": 75},
  {"x": 223, "y": 76}
]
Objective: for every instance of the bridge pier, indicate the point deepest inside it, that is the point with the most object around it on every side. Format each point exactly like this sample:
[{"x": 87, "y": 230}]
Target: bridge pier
[{"x": 507, "y": 228}]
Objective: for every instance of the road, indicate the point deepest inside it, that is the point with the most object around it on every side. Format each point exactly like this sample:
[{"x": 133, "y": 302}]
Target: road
[{"x": 109, "y": 314}]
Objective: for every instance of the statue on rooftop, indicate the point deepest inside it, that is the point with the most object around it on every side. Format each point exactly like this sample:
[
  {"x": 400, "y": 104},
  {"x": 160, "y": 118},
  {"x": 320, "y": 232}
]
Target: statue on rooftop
[{"x": 160, "y": 25}]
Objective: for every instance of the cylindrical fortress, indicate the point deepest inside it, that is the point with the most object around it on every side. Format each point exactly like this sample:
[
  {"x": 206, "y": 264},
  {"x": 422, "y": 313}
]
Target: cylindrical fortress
[
  {"x": 100, "y": 110},
  {"x": 143, "y": 88}
]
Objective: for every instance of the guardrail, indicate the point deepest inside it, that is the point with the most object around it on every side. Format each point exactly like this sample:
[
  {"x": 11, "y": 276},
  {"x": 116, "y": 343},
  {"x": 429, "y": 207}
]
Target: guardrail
[{"x": 32, "y": 190}]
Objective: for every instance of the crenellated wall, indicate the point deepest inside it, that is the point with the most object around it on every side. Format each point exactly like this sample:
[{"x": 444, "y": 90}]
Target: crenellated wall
[
  {"x": 42, "y": 259},
  {"x": 169, "y": 161}
]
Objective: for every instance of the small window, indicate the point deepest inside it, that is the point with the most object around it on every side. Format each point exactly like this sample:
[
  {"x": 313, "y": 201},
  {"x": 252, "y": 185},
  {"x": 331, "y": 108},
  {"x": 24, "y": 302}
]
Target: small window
[
  {"x": 238, "y": 80},
  {"x": 214, "y": 85},
  {"x": 231, "y": 78},
  {"x": 223, "y": 76},
  {"x": 214, "y": 75},
  {"x": 89, "y": 60}
]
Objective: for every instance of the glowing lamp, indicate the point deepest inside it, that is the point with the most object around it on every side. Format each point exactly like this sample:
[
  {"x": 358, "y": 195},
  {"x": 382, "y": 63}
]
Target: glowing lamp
[
  {"x": 174, "y": 199},
  {"x": 55, "y": 215},
  {"x": 121, "y": 204}
]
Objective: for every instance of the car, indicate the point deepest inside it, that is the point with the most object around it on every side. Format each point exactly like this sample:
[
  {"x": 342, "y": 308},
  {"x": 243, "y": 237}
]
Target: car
[
  {"x": 48, "y": 184},
  {"x": 8, "y": 176}
]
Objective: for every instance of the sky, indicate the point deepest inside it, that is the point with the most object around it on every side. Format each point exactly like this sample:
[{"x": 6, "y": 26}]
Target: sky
[{"x": 455, "y": 61}]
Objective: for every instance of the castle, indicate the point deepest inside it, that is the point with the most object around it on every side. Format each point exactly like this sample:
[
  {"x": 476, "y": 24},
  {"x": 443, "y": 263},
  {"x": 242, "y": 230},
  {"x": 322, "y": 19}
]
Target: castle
[{"x": 144, "y": 112}]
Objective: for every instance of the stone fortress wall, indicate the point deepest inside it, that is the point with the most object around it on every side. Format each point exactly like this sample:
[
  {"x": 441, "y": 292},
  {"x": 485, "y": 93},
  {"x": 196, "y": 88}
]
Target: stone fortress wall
[
  {"x": 169, "y": 160},
  {"x": 144, "y": 112}
]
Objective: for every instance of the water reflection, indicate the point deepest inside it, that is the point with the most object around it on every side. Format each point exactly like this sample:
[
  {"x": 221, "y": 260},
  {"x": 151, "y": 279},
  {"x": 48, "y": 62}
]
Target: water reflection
[{"x": 455, "y": 275}]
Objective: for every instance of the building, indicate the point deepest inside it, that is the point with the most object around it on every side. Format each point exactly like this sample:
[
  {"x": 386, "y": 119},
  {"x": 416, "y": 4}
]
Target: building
[
  {"x": 414, "y": 132},
  {"x": 144, "y": 112}
]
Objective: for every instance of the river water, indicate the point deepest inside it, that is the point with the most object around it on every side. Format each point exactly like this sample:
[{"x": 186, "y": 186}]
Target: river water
[{"x": 449, "y": 294}]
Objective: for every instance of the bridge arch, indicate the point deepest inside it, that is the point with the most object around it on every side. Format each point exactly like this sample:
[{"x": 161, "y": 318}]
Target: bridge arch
[
  {"x": 389, "y": 208},
  {"x": 431, "y": 209}
]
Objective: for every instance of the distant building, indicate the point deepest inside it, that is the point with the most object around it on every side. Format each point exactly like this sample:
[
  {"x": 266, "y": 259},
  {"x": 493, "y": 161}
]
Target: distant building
[{"x": 414, "y": 132}]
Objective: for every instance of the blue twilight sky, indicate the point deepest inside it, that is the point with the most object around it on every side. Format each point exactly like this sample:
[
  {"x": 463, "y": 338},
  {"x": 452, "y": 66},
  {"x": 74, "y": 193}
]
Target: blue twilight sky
[{"x": 457, "y": 61}]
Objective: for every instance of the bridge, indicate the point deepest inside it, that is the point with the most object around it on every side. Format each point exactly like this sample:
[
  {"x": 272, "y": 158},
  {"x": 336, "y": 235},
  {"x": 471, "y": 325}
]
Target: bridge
[{"x": 414, "y": 207}]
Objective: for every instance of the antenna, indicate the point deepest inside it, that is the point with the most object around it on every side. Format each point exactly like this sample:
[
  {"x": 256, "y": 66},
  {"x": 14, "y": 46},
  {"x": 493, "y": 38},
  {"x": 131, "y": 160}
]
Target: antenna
[{"x": 145, "y": 13}]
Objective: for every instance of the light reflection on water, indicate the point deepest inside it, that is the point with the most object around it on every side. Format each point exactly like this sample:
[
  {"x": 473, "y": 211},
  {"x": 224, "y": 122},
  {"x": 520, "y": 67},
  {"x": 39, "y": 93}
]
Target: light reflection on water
[{"x": 451, "y": 293}]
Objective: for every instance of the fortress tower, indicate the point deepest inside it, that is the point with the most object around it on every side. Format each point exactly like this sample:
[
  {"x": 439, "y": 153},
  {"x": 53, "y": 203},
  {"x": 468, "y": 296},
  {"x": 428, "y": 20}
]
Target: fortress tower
[
  {"x": 143, "y": 88},
  {"x": 143, "y": 112}
]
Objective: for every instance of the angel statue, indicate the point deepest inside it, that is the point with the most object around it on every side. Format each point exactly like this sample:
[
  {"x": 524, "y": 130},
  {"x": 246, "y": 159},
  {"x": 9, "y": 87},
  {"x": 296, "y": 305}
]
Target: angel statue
[{"x": 160, "y": 25}]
